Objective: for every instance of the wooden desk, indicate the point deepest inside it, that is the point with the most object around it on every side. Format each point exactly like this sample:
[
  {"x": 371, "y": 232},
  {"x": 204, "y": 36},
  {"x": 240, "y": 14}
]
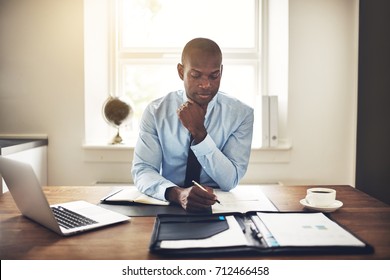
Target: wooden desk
[{"x": 20, "y": 238}]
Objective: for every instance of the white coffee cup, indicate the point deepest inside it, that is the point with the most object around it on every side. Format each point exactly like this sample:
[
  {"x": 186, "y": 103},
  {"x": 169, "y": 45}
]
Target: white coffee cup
[{"x": 320, "y": 197}]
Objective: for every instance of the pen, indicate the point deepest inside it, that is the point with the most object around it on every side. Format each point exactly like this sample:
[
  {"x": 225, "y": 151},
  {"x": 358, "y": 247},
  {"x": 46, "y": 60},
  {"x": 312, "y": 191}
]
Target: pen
[
  {"x": 256, "y": 232},
  {"x": 200, "y": 186},
  {"x": 111, "y": 194}
]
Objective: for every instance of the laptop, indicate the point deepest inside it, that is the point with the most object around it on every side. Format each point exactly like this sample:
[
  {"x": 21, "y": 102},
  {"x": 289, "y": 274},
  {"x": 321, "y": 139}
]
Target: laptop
[{"x": 66, "y": 218}]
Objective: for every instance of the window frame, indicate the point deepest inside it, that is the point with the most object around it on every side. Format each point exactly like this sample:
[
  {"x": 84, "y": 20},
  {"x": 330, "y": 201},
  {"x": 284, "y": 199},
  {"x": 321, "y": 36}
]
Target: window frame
[
  {"x": 99, "y": 67},
  {"x": 121, "y": 56}
]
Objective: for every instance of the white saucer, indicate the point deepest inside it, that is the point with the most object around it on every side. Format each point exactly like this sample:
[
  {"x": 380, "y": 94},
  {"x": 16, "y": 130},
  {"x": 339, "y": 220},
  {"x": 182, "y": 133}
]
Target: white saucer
[{"x": 336, "y": 205}]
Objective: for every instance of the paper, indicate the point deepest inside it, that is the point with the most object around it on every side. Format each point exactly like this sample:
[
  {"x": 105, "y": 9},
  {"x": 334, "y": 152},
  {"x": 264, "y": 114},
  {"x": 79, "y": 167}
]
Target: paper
[
  {"x": 132, "y": 194},
  {"x": 230, "y": 237},
  {"x": 242, "y": 199},
  {"x": 308, "y": 229}
]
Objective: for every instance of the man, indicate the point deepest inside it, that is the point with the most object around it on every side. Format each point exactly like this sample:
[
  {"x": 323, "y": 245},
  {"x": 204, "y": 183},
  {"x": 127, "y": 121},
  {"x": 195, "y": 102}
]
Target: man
[{"x": 218, "y": 128}]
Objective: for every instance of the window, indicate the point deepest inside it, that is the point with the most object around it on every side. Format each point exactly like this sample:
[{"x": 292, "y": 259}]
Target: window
[{"x": 145, "y": 41}]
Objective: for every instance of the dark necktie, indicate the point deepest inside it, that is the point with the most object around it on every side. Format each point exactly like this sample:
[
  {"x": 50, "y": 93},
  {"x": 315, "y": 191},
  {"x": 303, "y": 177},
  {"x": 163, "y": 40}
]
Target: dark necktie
[{"x": 193, "y": 168}]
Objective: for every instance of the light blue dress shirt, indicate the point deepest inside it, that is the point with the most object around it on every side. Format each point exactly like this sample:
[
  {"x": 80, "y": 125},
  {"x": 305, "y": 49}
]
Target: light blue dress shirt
[{"x": 160, "y": 155}]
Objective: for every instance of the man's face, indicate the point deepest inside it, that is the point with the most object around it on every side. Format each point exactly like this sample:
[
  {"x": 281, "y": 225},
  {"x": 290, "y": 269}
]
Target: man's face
[{"x": 201, "y": 74}]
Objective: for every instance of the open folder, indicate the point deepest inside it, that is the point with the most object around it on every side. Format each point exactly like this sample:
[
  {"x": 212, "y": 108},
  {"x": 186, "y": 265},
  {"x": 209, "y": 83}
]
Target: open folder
[
  {"x": 131, "y": 195},
  {"x": 129, "y": 201},
  {"x": 253, "y": 232}
]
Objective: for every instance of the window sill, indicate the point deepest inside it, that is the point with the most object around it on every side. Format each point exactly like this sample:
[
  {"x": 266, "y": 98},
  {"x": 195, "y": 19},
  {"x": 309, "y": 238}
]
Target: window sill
[
  {"x": 104, "y": 152},
  {"x": 123, "y": 153},
  {"x": 278, "y": 154}
]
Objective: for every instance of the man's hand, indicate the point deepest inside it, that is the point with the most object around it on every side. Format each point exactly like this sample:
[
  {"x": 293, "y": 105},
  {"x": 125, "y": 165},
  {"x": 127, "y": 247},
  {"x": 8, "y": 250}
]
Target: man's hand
[
  {"x": 192, "y": 199},
  {"x": 192, "y": 117}
]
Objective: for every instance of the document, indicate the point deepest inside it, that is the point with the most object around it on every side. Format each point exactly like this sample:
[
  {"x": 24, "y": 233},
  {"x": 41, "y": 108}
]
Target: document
[
  {"x": 242, "y": 199},
  {"x": 131, "y": 194},
  {"x": 309, "y": 229}
]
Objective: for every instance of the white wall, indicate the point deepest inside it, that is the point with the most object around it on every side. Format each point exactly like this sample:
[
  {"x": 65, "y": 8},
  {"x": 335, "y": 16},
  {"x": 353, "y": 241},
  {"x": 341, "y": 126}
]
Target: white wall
[
  {"x": 322, "y": 95},
  {"x": 42, "y": 91}
]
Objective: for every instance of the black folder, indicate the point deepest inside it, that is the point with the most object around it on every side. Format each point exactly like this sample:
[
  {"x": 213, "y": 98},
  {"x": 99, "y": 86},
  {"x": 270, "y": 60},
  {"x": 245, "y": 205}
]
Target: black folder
[{"x": 192, "y": 235}]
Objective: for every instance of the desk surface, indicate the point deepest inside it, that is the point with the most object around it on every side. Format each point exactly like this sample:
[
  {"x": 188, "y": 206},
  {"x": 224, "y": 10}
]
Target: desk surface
[{"x": 20, "y": 238}]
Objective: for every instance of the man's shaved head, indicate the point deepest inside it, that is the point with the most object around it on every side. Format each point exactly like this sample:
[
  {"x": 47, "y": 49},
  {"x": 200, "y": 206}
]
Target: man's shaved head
[{"x": 206, "y": 46}]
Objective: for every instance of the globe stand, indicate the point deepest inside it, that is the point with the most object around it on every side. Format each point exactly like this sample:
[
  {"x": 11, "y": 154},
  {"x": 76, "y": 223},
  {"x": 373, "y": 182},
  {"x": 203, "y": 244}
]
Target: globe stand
[{"x": 117, "y": 139}]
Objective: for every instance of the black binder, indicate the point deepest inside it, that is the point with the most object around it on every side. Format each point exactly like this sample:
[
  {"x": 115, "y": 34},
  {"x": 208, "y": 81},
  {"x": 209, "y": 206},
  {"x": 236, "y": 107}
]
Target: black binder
[{"x": 259, "y": 239}]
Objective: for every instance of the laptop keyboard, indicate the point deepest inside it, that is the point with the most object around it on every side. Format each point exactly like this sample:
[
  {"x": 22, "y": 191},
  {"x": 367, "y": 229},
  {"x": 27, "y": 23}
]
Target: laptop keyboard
[{"x": 69, "y": 219}]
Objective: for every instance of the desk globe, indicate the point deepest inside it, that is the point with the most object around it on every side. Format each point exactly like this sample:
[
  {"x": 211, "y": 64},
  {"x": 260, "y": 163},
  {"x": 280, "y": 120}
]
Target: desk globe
[{"x": 116, "y": 112}]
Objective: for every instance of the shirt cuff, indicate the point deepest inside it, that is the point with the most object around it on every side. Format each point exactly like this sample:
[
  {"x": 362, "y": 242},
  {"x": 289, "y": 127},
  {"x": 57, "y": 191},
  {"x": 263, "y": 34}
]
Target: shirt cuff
[
  {"x": 160, "y": 192},
  {"x": 205, "y": 147}
]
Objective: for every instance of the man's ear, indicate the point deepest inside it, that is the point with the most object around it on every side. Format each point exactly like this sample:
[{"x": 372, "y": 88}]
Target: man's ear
[{"x": 180, "y": 70}]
